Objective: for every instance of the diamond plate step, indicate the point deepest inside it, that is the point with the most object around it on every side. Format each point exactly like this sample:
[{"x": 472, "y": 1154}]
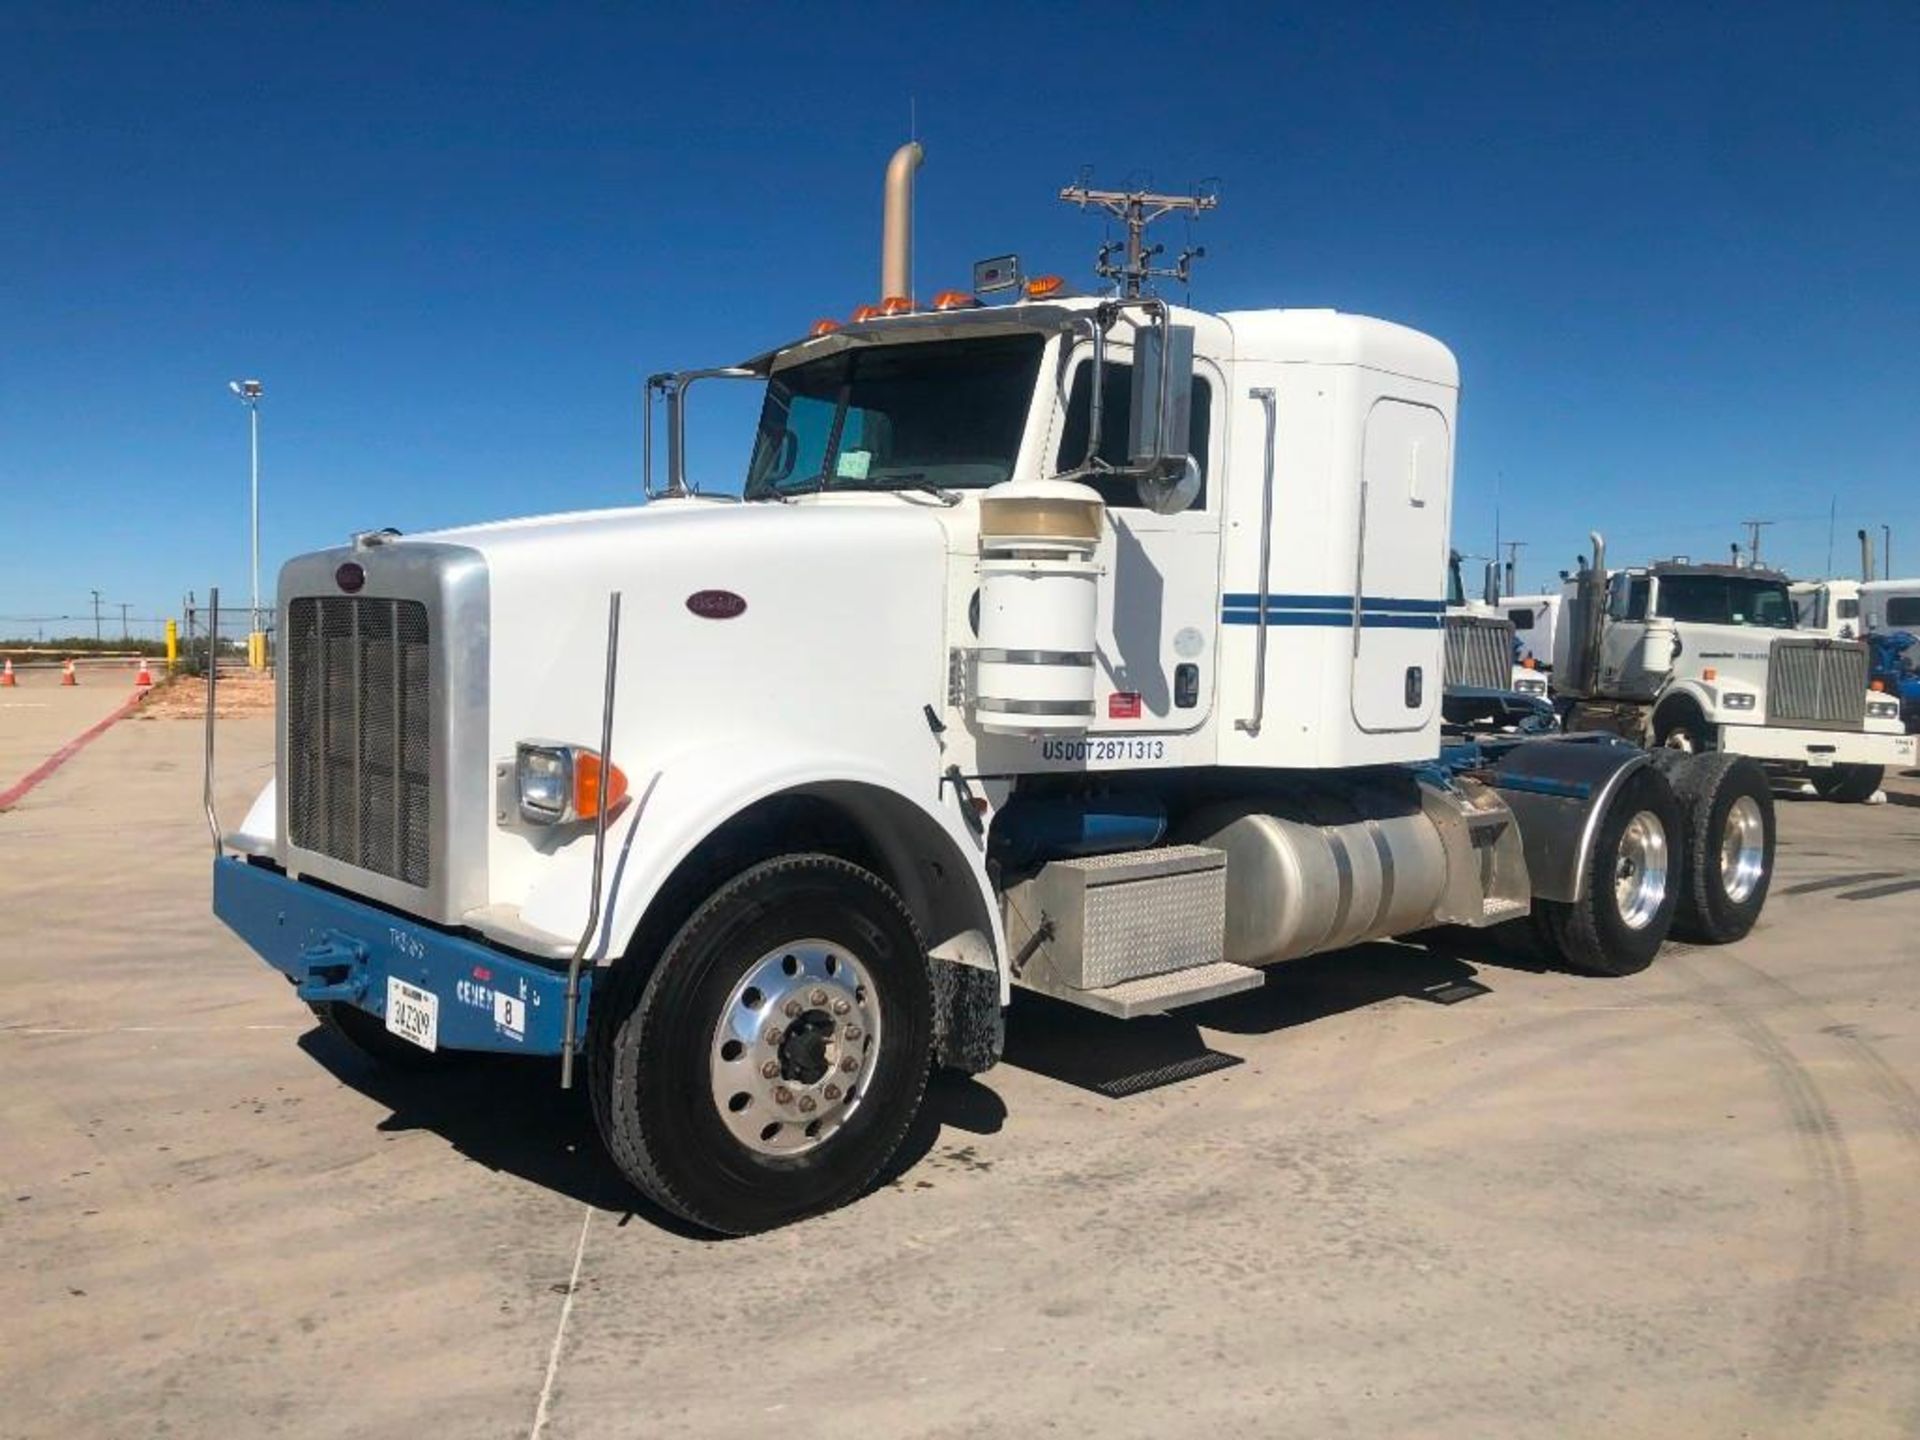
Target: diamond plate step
[{"x": 1157, "y": 994}]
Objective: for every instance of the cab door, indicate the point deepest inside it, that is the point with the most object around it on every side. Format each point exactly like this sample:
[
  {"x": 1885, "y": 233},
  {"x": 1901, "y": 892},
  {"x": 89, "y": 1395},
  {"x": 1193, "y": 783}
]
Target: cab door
[{"x": 1159, "y": 606}]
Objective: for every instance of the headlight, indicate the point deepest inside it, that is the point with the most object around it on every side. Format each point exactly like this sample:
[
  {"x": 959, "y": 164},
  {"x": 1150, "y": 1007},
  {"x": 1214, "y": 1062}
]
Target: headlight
[
  {"x": 559, "y": 783},
  {"x": 1883, "y": 709},
  {"x": 1737, "y": 701},
  {"x": 1530, "y": 687}
]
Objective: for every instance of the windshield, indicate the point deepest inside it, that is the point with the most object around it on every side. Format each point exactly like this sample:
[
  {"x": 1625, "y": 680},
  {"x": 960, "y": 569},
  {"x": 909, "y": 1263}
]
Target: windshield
[
  {"x": 1725, "y": 600},
  {"x": 946, "y": 413}
]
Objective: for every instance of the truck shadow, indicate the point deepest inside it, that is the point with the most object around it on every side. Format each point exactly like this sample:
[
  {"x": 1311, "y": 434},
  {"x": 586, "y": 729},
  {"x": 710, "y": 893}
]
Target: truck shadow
[
  {"x": 510, "y": 1115},
  {"x": 1117, "y": 1058}
]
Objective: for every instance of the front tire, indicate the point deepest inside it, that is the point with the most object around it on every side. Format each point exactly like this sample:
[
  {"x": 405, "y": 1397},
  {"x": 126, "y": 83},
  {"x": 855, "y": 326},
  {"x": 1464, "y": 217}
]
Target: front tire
[
  {"x": 1727, "y": 809},
  {"x": 1684, "y": 730},
  {"x": 1848, "y": 784},
  {"x": 1630, "y": 889},
  {"x": 770, "y": 1062}
]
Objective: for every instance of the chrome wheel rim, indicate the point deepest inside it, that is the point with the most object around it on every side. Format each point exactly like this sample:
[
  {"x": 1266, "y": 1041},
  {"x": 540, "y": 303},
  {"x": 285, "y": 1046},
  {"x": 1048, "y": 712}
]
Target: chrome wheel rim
[
  {"x": 1679, "y": 740},
  {"x": 1743, "y": 849},
  {"x": 794, "y": 1047},
  {"x": 1640, "y": 870}
]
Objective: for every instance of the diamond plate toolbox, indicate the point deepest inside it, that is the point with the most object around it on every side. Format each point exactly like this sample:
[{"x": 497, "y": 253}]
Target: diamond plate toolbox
[{"x": 1115, "y": 918}]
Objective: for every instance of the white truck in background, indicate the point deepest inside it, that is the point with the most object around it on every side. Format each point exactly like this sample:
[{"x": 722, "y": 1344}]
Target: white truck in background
[
  {"x": 1830, "y": 606},
  {"x": 1483, "y": 652},
  {"x": 1536, "y": 620},
  {"x": 1887, "y": 606},
  {"x": 1084, "y": 646},
  {"x": 1702, "y": 658}
]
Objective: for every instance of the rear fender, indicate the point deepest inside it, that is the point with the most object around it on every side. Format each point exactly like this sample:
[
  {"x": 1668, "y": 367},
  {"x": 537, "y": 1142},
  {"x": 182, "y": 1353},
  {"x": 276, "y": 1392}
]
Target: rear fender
[{"x": 1558, "y": 790}]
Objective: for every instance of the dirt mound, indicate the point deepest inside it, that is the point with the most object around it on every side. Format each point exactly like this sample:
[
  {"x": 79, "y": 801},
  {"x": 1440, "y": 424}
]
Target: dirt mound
[{"x": 185, "y": 698}]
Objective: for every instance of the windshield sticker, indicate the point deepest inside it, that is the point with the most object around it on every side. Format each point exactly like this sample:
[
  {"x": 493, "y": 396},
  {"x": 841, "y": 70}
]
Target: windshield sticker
[{"x": 852, "y": 464}]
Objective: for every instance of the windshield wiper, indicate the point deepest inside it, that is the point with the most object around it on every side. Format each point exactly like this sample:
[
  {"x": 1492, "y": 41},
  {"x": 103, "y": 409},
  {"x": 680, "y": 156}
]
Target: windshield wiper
[{"x": 915, "y": 480}]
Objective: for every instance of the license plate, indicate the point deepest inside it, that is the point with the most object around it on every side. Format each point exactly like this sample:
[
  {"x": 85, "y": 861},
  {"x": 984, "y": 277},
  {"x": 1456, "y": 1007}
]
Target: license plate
[{"x": 413, "y": 1014}]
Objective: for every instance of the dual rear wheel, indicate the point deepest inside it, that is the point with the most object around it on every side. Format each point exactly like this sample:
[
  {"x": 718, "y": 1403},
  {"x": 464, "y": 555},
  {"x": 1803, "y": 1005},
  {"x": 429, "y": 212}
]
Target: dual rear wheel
[{"x": 1685, "y": 846}]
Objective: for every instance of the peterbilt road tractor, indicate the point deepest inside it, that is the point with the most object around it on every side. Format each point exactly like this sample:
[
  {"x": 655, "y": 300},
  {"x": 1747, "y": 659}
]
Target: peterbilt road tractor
[
  {"x": 1083, "y": 646},
  {"x": 1701, "y": 658}
]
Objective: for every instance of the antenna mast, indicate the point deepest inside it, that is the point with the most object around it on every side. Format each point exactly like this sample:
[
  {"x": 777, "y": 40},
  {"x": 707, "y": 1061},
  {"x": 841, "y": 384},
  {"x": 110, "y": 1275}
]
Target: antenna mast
[{"x": 1137, "y": 209}]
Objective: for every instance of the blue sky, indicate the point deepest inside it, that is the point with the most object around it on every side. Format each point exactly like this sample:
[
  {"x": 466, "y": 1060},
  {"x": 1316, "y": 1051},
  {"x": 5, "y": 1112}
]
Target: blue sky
[{"x": 1672, "y": 245}]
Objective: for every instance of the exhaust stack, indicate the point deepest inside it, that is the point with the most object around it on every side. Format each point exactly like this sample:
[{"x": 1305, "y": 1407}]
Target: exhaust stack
[
  {"x": 896, "y": 223},
  {"x": 1866, "y": 557}
]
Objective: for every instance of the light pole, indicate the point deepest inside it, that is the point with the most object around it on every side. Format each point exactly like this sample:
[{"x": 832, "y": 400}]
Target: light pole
[{"x": 249, "y": 393}]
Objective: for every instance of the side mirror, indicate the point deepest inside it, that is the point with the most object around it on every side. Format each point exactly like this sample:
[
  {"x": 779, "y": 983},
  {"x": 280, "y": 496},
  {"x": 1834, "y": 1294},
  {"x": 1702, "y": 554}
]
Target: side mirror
[{"x": 1160, "y": 420}]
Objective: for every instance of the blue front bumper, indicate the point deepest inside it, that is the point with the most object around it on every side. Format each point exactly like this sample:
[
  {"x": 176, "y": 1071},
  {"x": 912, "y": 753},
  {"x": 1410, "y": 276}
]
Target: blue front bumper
[{"x": 340, "y": 950}]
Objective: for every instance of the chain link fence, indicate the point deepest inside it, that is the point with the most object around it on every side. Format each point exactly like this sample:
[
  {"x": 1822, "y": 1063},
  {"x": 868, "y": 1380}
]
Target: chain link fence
[{"x": 230, "y": 648}]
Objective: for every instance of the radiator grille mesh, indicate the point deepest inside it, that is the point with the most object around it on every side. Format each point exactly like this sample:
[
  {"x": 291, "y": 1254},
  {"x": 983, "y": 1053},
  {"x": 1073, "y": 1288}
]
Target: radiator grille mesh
[
  {"x": 359, "y": 739},
  {"x": 1479, "y": 652},
  {"x": 1818, "y": 684}
]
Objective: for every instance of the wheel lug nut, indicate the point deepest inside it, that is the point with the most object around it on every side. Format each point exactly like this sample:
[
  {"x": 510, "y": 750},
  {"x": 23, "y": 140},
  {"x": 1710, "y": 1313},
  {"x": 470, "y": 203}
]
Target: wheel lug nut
[
  {"x": 840, "y": 1007},
  {"x": 806, "y": 1104},
  {"x": 782, "y": 1094},
  {"x": 792, "y": 1008},
  {"x": 850, "y": 1064},
  {"x": 773, "y": 1034},
  {"x": 817, "y": 996},
  {"x": 832, "y": 1092},
  {"x": 771, "y": 1069},
  {"x": 853, "y": 1032}
]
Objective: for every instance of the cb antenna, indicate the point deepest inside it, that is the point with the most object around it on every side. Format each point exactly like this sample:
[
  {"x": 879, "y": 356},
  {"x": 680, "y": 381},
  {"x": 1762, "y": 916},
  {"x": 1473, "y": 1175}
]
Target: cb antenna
[{"x": 1137, "y": 209}]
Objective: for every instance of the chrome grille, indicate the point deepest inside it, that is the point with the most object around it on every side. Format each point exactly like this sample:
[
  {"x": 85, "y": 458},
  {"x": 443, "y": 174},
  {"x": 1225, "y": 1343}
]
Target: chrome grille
[
  {"x": 359, "y": 740},
  {"x": 1817, "y": 684},
  {"x": 1479, "y": 652}
]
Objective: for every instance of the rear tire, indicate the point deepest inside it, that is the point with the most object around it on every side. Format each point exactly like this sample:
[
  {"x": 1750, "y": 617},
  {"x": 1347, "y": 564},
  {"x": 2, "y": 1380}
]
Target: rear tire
[
  {"x": 1620, "y": 922},
  {"x": 1727, "y": 810},
  {"x": 1848, "y": 784},
  {"x": 762, "y": 995},
  {"x": 369, "y": 1035}
]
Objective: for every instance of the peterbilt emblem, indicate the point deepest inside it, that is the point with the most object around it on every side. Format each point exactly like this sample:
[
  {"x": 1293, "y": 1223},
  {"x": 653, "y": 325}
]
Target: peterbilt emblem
[{"x": 716, "y": 604}]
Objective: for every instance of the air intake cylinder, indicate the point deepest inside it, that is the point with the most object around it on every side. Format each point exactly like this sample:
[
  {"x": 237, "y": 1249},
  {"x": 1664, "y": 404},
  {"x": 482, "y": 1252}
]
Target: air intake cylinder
[{"x": 1039, "y": 607}]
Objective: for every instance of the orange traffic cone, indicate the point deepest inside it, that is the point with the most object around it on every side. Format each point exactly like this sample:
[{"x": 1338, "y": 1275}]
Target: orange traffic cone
[
  {"x": 145, "y": 678},
  {"x": 67, "y": 677},
  {"x": 6, "y": 676}
]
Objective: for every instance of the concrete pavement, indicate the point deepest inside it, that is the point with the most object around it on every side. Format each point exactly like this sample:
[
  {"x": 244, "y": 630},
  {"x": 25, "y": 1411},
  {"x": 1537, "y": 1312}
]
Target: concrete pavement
[{"x": 1681, "y": 1203}]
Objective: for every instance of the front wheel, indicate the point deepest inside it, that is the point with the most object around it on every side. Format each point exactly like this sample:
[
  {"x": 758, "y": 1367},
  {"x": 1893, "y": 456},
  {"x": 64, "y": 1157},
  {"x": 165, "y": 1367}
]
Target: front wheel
[
  {"x": 1848, "y": 784},
  {"x": 1685, "y": 732},
  {"x": 771, "y": 1061},
  {"x": 1629, "y": 886}
]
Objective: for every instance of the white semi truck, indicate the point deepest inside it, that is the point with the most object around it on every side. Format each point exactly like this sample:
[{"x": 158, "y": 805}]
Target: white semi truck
[
  {"x": 1090, "y": 647},
  {"x": 1699, "y": 658}
]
